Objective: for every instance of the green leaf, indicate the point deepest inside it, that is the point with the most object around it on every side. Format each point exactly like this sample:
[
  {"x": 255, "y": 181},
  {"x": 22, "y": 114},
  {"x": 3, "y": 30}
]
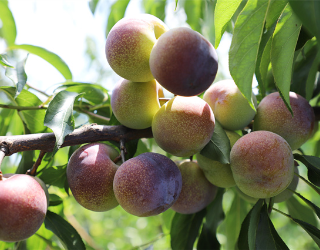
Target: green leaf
[
  {"x": 155, "y": 7},
  {"x": 185, "y": 229},
  {"x": 313, "y": 165},
  {"x": 22, "y": 76},
  {"x": 312, "y": 76},
  {"x": 9, "y": 30},
  {"x": 193, "y": 9},
  {"x": 245, "y": 45},
  {"x": 59, "y": 116},
  {"x": 315, "y": 208},
  {"x": 284, "y": 42},
  {"x": 215, "y": 214},
  {"x": 311, "y": 230},
  {"x": 309, "y": 13},
  {"x": 267, "y": 236},
  {"x": 55, "y": 175},
  {"x": 274, "y": 12},
  {"x": 218, "y": 148},
  {"x": 223, "y": 13},
  {"x": 116, "y": 13},
  {"x": 48, "y": 56},
  {"x": 93, "y": 5},
  {"x": 4, "y": 61},
  {"x": 55, "y": 200},
  {"x": 247, "y": 236},
  {"x": 231, "y": 226},
  {"x": 68, "y": 236},
  {"x": 301, "y": 212},
  {"x": 6, "y": 118},
  {"x": 265, "y": 64}
]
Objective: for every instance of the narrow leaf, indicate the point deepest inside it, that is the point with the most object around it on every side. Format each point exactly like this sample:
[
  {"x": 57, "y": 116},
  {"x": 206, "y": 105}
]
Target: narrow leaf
[
  {"x": 55, "y": 200},
  {"x": 48, "y": 56},
  {"x": 311, "y": 230},
  {"x": 312, "y": 76},
  {"x": 155, "y": 7},
  {"x": 185, "y": 229},
  {"x": 116, "y": 13},
  {"x": 265, "y": 63},
  {"x": 193, "y": 9},
  {"x": 315, "y": 208},
  {"x": 245, "y": 45},
  {"x": 313, "y": 165},
  {"x": 22, "y": 76},
  {"x": 68, "y": 236},
  {"x": 9, "y": 30},
  {"x": 218, "y": 148},
  {"x": 4, "y": 61},
  {"x": 274, "y": 12},
  {"x": 284, "y": 42},
  {"x": 224, "y": 11},
  {"x": 59, "y": 116}
]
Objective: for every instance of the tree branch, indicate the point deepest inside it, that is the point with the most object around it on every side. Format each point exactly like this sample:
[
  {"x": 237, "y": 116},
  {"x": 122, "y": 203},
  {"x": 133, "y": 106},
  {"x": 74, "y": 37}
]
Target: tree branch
[{"x": 85, "y": 134}]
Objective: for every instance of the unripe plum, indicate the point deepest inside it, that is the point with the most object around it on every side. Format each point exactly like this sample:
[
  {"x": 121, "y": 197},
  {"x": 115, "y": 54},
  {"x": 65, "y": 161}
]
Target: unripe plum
[
  {"x": 147, "y": 184},
  {"x": 135, "y": 103},
  {"x": 197, "y": 192},
  {"x": 273, "y": 115},
  {"x": 90, "y": 174},
  {"x": 23, "y": 207},
  {"x": 129, "y": 44},
  {"x": 184, "y": 62},
  {"x": 229, "y": 106},
  {"x": 183, "y": 126},
  {"x": 262, "y": 164},
  {"x": 216, "y": 172}
]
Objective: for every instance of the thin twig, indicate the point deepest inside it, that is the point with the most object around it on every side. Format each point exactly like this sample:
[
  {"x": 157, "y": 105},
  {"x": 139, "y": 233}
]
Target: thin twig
[
  {"x": 95, "y": 115},
  {"x": 36, "y": 89},
  {"x": 32, "y": 171},
  {"x": 22, "y": 107}
]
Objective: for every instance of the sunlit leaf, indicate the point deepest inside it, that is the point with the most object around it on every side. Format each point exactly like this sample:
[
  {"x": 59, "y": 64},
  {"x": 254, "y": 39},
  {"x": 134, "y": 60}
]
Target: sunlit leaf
[
  {"x": 4, "y": 61},
  {"x": 6, "y": 118},
  {"x": 185, "y": 229},
  {"x": 223, "y": 13},
  {"x": 283, "y": 45},
  {"x": 22, "y": 76},
  {"x": 59, "y": 116},
  {"x": 155, "y": 7},
  {"x": 218, "y": 148},
  {"x": 48, "y": 56},
  {"x": 245, "y": 45},
  {"x": 275, "y": 9},
  {"x": 116, "y": 13},
  {"x": 68, "y": 236},
  {"x": 193, "y": 9},
  {"x": 9, "y": 30}
]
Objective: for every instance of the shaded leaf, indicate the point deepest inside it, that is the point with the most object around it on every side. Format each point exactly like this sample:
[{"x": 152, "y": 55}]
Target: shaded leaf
[
  {"x": 312, "y": 76},
  {"x": 55, "y": 200},
  {"x": 22, "y": 76},
  {"x": 9, "y": 30},
  {"x": 284, "y": 42},
  {"x": 48, "y": 56},
  {"x": 68, "y": 236},
  {"x": 223, "y": 13},
  {"x": 245, "y": 44},
  {"x": 315, "y": 208},
  {"x": 185, "y": 229},
  {"x": 55, "y": 176},
  {"x": 26, "y": 162},
  {"x": 155, "y": 7},
  {"x": 4, "y": 61},
  {"x": 116, "y": 13},
  {"x": 59, "y": 116},
  {"x": 313, "y": 165},
  {"x": 218, "y": 148}
]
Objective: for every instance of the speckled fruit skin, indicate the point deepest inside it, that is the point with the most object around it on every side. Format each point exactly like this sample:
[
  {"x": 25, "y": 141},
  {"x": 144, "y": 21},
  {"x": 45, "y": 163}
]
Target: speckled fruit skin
[
  {"x": 23, "y": 207},
  {"x": 229, "y": 106},
  {"x": 262, "y": 164},
  {"x": 197, "y": 192},
  {"x": 183, "y": 126},
  {"x": 218, "y": 173},
  {"x": 135, "y": 103},
  {"x": 147, "y": 185},
  {"x": 129, "y": 44},
  {"x": 90, "y": 174},
  {"x": 184, "y": 62},
  {"x": 272, "y": 115}
]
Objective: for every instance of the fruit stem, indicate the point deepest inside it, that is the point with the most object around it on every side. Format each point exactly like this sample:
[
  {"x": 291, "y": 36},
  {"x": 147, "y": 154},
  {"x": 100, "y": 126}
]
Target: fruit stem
[
  {"x": 117, "y": 159},
  {"x": 123, "y": 150},
  {"x": 32, "y": 171}
]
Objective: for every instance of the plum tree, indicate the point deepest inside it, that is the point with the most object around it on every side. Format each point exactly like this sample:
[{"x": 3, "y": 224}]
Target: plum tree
[
  {"x": 184, "y": 62},
  {"x": 129, "y": 45},
  {"x": 147, "y": 184},
  {"x": 90, "y": 174},
  {"x": 262, "y": 164},
  {"x": 183, "y": 126},
  {"x": 135, "y": 103},
  {"x": 216, "y": 172},
  {"x": 274, "y": 116},
  {"x": 197, "y": 192},
  {"x": 23, "y": 207},
  {"x": 229, "y": 106}
]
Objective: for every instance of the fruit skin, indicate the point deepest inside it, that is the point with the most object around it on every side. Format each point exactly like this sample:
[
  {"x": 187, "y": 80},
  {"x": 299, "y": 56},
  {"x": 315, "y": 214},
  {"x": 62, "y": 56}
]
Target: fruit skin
[
  {"x": 147, "y": 185},
  {"x": 262, "y": 164},
  {"x": 135, "y": 103},
  {"x": 129, "y": 44},
  {"x": 23, "y": 207},
  {"x": 183, "y": 126},
  {"x": 229, "y": 106},
  {"x": 184, "y": 62},
  {"x": 273, "y": 115},
  {"x": 197, "y": 192},
  {"x": 90, "y": 174},
  {"x": 218, "y": 173}
]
